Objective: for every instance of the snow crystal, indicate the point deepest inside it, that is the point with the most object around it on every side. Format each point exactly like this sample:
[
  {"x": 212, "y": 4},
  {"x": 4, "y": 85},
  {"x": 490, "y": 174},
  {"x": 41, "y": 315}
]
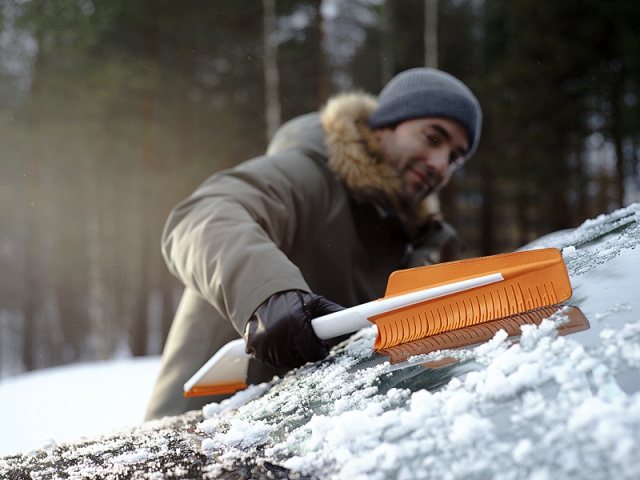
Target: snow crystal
[
  {"x": 540, "y": 474},
  {"x": 522, "y": 452},
  {"x": 468, "y": 428},
  {"x": 237, "y": 400},
  {"x": 622, "y": 347},
  {"x": 207, "y": 446},
  {"x": 246, "y": 434},
  {"x": 361, "y": 343},
  {"x": 213, "y": 470},
  {"x": 493, "y": 348},
  {"x": 423, "y": 402},
  {"x": 459, "y": 404},
  {"x": 132, "y": 457}
]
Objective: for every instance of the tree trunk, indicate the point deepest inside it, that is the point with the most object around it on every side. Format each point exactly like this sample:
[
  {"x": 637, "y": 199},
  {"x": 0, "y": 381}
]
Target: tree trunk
[
  {"x": 386, "y": 34},
  {"x": 522, "y": 216},
  {"x": 271, "y": 75},
  {"x": 98, "y": 340},
  {"x": 34, "y": 289},
  {"x": 321, "y": 62},
  {"x": 487, "y": 213},
  {"x": 431, "y": 33},
  {"x": 617, "y": 134},
  {"x": 140, "y": 331},
  {"x": 560, "y": 206},
  {"x": 581, "y": 205}
]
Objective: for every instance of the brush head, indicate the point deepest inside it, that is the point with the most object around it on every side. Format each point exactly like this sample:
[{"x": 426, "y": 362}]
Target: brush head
[
  {"x": 532, "y": 280},
  {"x": 476, "y": 334}
]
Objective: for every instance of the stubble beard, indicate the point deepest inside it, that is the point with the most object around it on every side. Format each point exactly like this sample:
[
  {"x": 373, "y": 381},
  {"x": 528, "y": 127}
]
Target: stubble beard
[{"x": 411, "y": 199}]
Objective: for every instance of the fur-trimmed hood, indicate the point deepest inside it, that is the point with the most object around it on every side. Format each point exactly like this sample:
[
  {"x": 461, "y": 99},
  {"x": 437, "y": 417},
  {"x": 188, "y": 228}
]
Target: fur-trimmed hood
[
  {"x": 356, "y": 158},
  {"x": 353, "y": 154}
]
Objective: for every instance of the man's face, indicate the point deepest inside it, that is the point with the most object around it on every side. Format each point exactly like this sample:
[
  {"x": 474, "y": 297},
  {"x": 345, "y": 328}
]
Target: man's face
[{"x": 424, "y": 152}]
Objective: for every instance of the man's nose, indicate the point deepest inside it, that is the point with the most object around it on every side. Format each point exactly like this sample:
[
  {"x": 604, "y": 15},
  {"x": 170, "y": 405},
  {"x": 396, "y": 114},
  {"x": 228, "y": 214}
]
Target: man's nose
[{"x": 438, "y": 160}]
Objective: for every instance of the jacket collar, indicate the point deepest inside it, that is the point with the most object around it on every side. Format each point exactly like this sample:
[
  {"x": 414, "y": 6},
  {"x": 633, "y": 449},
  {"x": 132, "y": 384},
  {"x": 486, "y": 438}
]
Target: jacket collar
[{"x": 356, "y": 159}]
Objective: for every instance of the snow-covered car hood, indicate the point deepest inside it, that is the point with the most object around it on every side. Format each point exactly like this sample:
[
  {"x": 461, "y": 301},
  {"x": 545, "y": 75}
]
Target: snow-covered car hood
[{"x": 548, "y": 406}]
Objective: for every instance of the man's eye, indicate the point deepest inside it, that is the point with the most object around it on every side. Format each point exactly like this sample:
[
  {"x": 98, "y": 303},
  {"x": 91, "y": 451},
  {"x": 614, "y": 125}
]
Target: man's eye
[{"x": 433, "y": 140}]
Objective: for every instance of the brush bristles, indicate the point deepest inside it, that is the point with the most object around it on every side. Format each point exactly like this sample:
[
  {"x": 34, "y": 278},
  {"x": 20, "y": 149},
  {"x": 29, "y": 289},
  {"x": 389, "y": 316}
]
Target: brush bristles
[
  {"x": 472, "y": 307},
  {"x": 464, "y": 337},
  {"x": 483, "y": 332}
]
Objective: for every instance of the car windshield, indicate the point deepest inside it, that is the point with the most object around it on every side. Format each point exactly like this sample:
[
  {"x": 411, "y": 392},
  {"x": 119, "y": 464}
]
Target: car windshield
[
  {"x": 539, "y": 404},
  {"x": 563, "y": 403}
]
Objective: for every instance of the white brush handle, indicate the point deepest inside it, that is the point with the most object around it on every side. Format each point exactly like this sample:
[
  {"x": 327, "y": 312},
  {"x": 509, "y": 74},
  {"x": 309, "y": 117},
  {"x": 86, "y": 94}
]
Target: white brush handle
[
  {"x": 230, "y": 363},
  {"x": 354, "y": 318}
]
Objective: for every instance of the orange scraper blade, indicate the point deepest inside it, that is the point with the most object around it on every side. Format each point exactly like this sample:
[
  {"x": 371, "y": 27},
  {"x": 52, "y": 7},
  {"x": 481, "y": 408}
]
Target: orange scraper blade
[
  {"x": 476, "y": 334},
  {"x": 532, "y": 279}
]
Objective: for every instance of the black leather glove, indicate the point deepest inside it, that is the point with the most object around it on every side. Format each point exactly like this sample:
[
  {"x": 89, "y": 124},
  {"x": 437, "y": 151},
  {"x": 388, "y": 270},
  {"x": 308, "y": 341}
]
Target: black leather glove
[{"x": 280, "y": 333}]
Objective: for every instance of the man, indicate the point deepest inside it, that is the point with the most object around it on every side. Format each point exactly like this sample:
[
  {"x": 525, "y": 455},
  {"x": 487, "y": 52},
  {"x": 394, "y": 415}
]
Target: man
[{"x": 341, "y": 199}]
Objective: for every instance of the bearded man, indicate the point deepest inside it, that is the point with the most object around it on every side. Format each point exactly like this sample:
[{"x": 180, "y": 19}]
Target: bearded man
[{"x": 342, "y": 198}]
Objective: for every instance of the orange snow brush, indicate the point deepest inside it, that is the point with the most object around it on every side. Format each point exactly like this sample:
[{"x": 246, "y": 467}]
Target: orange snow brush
[{"x": 418, "y": 303}]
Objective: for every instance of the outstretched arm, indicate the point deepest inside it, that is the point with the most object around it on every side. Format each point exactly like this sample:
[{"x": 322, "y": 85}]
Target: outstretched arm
[{"x": 229, "y": 240}]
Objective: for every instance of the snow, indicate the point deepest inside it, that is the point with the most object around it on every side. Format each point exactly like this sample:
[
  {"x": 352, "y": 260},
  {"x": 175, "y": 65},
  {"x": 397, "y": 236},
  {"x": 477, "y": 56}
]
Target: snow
[
  {"x": 60, "y": 404},
  {"x": 547, "y": 406},
  {"x": 239, "y": 399}
]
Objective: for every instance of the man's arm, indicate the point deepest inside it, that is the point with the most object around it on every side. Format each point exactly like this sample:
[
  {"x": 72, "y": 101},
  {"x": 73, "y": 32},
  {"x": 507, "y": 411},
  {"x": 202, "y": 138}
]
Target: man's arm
[{"x": 228, "y": 241}]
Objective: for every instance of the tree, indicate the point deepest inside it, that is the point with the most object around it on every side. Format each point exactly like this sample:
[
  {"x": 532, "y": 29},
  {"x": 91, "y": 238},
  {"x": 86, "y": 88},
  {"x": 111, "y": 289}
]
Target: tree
[
  {"x": 34, "y": 284},
  {"x": 431, "y": 33},
  {"x": 271, "y": 75}
]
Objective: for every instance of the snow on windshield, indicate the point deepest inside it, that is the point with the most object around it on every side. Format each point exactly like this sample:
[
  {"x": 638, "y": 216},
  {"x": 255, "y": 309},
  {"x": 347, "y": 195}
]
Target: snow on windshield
[
  {"x": 543, "y": 407},
  {"x": 547, "y": 407}
]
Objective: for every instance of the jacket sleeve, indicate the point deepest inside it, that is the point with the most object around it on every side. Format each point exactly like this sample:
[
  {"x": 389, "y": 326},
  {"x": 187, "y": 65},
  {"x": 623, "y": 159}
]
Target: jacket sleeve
[{"x": 228, "y": 240}]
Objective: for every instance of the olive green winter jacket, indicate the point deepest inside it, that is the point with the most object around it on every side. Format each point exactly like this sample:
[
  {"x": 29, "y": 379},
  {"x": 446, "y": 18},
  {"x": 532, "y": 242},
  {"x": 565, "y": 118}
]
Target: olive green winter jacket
[{"x": 318, "y": 212}]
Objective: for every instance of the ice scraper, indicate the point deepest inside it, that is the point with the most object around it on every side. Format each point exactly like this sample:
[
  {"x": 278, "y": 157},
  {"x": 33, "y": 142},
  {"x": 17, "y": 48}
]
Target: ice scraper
[{"x": 420, "y": 302}]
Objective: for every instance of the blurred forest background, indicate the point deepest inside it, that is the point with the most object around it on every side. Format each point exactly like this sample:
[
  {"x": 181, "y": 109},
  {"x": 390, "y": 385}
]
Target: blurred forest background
[{"x": 111, "y": 111}]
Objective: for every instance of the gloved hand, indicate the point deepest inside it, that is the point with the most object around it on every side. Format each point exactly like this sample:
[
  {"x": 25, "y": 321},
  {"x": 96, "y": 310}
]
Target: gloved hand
[{"x": 280, "y": 333}]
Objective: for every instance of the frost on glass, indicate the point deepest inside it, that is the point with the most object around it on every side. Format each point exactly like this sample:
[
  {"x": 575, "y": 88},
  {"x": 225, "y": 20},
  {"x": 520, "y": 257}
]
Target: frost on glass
[
  {"x": 529, "y": 406},
  {"x": 542, "y": 407},
  {"x": 596, "y": 241},
  {"x": 547, "y": 406}
]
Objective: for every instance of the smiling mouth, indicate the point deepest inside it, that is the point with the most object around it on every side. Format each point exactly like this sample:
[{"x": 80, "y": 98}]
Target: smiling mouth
[{"x": 424, "y": 180}]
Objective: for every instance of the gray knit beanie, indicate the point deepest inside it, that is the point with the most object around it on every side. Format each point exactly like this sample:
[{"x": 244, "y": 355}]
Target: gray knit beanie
[{"x": 427, "y": 92}]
